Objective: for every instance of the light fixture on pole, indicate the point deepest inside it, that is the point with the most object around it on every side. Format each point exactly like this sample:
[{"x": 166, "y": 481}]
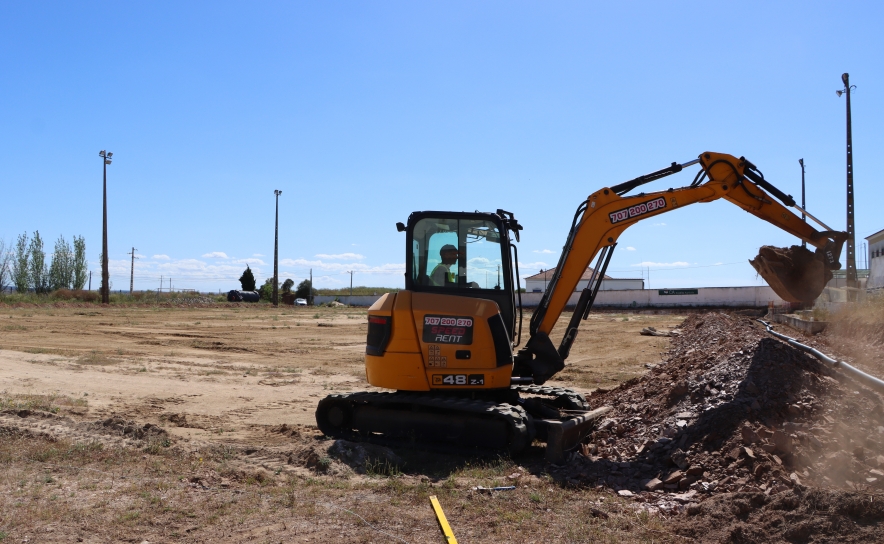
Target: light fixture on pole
[
  {"x": 276, "y": 192},
  {"x": 851, "y": 237},
  {"x": 105, "y": 275}
]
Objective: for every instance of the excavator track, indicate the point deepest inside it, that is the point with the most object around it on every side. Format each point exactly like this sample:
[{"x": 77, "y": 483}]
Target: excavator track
[
  {"x": 439, "y": 422},
  {"x": 566, "y": 399}
]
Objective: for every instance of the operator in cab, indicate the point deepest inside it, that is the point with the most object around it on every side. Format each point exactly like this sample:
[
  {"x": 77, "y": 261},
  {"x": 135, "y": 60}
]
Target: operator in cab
[{"x": 442, "y": 275}]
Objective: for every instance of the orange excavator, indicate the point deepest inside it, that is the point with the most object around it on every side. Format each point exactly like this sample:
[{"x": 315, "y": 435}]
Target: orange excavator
[{"x": 445, "y": 344}]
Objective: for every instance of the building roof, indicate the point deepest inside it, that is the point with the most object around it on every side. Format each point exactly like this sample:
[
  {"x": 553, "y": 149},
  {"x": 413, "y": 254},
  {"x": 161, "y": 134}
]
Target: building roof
[
  {"x": 876, "y": 235},
  {"x": 547, "y": 275}
]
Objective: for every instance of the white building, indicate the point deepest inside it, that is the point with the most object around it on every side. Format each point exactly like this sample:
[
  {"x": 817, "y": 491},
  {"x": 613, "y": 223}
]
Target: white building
[
  {"x": 539, "y": 282},
  {"x": 876, "y": 260}
]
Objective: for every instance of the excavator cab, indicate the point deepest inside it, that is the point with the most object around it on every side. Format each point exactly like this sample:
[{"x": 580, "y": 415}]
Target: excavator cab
[{"x": 478, "y": 244}]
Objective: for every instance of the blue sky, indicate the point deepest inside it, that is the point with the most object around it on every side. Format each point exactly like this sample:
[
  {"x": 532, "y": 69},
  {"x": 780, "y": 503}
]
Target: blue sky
[{"x": 363, "y": 112}]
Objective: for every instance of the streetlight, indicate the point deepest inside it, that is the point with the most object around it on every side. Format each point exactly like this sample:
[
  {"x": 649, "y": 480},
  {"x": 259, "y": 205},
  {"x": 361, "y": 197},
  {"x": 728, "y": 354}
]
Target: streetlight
[
  {"x": 105, "y": 276},
  {"x": 277, "y": 192},
  {"x": 851, "y": 239},
  {"x": 803, "y": 205}
]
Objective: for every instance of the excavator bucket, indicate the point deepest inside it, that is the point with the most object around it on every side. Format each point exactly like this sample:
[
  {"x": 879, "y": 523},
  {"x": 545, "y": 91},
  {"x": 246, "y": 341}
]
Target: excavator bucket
[{"x": 796, "y": 274}]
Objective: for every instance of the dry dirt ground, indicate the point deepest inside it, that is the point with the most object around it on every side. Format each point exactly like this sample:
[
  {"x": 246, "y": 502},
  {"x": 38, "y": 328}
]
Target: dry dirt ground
[{"x": 196, "y": 424}]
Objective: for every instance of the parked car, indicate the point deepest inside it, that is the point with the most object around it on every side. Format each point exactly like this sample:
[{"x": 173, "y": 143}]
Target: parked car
[{"x": 300, "y": 302}]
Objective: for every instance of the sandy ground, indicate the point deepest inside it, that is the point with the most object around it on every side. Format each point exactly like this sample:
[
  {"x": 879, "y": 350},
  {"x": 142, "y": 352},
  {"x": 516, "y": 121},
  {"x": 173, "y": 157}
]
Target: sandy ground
[{"x": 231, "y": 370}]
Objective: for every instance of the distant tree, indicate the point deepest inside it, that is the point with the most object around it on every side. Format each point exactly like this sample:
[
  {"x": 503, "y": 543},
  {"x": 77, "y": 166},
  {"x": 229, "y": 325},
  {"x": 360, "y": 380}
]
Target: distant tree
[
  {"x": 304, "y": 289},
  {"x": 247, "y": 280},
  {"x": 267, "y": 289},
  {"x": 37, "y": 265},
  {"x": 80, "y": 274},
  {"x": 287, "y": 285},
  {"x": 5, "y": 259},
  {"x": 61, "y": 271},
  {"x": 21, "y": 275}
]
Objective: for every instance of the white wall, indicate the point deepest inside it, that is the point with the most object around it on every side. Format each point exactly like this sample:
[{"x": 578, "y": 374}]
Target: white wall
[
  {"x": 876, "y": 273},
  {"x": 607, "y": 285},
  {"x": 755, "y": 297}
]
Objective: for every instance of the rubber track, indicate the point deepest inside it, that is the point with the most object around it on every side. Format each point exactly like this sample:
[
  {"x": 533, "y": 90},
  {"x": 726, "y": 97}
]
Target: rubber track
[
  {"x": 577, "y": 400},
  {"x": 519, "y": 422}
]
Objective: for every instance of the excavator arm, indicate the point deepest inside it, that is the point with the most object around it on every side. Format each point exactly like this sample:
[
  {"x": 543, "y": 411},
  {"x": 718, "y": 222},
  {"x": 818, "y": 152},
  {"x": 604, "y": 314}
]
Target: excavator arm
[{"x": 602, "y": 218}]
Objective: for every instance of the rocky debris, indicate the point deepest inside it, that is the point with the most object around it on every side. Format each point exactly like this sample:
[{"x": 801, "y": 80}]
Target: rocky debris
[
  {"x": 796, "y": 274},
  {"x": 652, "y": 331},
  {"x": 126, "y": 428},
  {"x": 364, "y": 457},
  {"x": 731, "y": 410}
]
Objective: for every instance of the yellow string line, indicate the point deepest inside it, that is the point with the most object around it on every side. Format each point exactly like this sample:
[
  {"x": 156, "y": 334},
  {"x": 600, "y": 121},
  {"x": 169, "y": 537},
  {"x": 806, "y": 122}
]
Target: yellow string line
[{"x": 443, "y": 523}]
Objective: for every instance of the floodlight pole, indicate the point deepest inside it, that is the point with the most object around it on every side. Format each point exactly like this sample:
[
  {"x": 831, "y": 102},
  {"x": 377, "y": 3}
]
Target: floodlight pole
[
  {"x": 105, "y": 275},
  {"x": 803, "y": 205},
  {"x": 851, "y": 237},
  {"x": 276, "y": 192}
]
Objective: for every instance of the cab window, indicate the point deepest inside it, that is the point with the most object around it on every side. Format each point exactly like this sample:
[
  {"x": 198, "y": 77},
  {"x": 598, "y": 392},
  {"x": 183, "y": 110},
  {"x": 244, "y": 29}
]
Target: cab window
[{"x": 457, "y": 253}]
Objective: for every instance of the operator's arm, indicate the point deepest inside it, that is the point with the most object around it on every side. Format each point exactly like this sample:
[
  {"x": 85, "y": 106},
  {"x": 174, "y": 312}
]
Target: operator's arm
[{"x": 605, "y": 215}]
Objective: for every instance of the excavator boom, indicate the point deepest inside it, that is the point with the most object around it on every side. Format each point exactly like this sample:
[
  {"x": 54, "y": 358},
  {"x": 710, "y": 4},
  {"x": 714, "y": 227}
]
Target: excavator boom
[{"x": 603, "y": 217}]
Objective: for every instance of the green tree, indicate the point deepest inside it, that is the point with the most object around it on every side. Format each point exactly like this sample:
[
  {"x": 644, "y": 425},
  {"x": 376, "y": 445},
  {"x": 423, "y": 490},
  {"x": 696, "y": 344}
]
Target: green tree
[
  {"x": 5, "y": 259},
  {"x": 287, "y": 285},
  {"x": 267, "y": 289},
  {"x": 37, "y": 266},
  {"x": 61, "y": 271},
  {"x": 305, "y": 289},
  {"x": 21, "y": 275},
  {"x": 80, "y": 274},
  {"x": 247, "y": 280}
]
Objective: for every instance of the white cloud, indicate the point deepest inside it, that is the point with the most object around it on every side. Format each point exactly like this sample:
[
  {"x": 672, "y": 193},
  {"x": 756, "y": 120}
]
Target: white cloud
[
  {"x": 248, "y": 261},
  {"x": 257, "y": 255},
  {"x": 215, "y": 255},
  {"x": 658, "y": 225},
  {"x": 630, "y": 248},
  {"x": 538, "y": 265},
  {"x": 359, "y": 268},
  {"x": 650, "y": 263},
  {"x": 341, "y": 256},
  {"x": 543, "y": 251},
  {"x": 161, "y": 257},
  {"x": 139, "y": 256}
]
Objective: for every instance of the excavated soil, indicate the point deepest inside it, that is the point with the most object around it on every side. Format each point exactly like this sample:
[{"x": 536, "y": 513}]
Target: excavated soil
[
  {"x": 744, "y": 439},
  {"x": 794, "y": 273}
]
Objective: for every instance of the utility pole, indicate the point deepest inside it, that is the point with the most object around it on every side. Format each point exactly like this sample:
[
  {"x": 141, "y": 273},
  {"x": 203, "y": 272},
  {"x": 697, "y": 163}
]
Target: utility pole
[
  {"x": 310, "y": 291},
  {"x": 105, "y": 275},
  {"x": 161, "y": 286},
  {"x": 851, "y": 240},
  {"x": 498, "y": 276},
  {"x": 351, "y": 282},
  {"x": 132, "y": 271},
  {"x": 276, "y": 192},
  {"x": 803, "y": 205},
  {"x": 90, "y": 280}
]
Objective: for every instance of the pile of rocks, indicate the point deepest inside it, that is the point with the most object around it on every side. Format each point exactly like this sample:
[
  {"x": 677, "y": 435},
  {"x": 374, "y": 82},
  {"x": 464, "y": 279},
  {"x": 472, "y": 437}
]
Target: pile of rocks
[{"x": 732, "y": 409}]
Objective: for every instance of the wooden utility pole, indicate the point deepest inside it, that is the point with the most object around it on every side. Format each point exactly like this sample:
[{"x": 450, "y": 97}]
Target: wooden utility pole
[
  {"x": 132, "y": 272},
  {"x": 351, "y": 282}
]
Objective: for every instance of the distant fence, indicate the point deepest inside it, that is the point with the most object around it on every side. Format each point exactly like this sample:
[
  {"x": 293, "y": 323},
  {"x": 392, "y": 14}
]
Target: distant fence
[{"x": 702, "y": 297}]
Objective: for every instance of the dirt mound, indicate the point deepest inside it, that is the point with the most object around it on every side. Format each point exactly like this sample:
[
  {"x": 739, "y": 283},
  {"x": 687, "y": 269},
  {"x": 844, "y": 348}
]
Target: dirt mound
[
  {"x": 733, "y": 410},
  {"x": 795, "y": 274},
  {"x": 799, "y": 515}
]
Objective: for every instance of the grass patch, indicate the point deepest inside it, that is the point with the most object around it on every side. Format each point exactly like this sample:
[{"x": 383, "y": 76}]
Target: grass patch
[{"x": 45, "y": 403}]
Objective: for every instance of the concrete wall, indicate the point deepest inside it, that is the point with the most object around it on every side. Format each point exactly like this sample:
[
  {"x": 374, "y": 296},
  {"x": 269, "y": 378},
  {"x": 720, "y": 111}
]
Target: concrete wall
[
  {"x": 876, "y": 273},
  {"x": 607, "y": 285},
  {"x": 706, "y": 297},
  {"x": 355, "y": 300}
]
